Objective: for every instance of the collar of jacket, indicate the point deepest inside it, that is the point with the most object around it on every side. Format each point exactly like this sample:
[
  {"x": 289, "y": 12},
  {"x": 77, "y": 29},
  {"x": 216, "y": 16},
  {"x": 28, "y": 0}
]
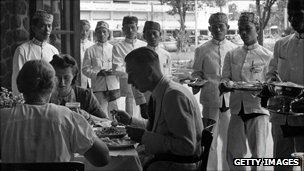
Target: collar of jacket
[
  {"x": 102, "y": 44},
  {"x": 154, "y": 48},
  {"x": 157, "y": 88},
  {"x": 37, "y": 42},
  {"x": 131, "y": 41},
  {"x": 218, "y": 42},
  {"x": 251, "y": 47}
]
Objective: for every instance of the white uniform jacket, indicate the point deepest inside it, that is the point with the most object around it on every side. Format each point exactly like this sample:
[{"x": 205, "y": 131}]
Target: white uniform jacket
[
  {"x": 248, "y": 64},
  {"x": 288, "y": 63},
  {"x": 120, "y": 51},
  {"x": 30, "y": 50},
  {"x": 96, "y": 58},
  {"x": 84, "y": 45},
  {"x": 208, "y": 64}
]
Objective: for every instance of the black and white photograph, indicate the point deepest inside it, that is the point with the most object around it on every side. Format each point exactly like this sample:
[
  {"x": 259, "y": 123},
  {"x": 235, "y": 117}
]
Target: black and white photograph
[{"x": 152, "y": 85}]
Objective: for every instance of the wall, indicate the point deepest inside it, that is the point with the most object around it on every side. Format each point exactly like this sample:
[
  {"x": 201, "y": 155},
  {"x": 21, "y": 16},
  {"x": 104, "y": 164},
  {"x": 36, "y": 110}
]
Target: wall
[{"x": 14, "y": 31}]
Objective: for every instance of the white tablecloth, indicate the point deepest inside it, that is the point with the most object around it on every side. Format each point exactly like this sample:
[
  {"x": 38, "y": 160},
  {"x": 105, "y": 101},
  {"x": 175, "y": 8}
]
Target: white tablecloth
[{"x": 121, "y": 160}]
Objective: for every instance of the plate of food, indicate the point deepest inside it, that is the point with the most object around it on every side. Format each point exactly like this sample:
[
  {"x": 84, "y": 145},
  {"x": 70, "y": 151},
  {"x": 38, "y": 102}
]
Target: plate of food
[
  {"x": 247, "y": 86},
  {"x": 197, "y": 83},
  {"x": 194, "y": 82},
  {"x": 110, "y": 132},
  {"x": 287, "y": 84},
  {"x": 118, "y": 143}
]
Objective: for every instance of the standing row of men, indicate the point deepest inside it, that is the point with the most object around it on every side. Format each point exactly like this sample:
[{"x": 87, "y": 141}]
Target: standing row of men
[
  {"x": 220, "y": 61},
  {"x": 102, "y": 64}
]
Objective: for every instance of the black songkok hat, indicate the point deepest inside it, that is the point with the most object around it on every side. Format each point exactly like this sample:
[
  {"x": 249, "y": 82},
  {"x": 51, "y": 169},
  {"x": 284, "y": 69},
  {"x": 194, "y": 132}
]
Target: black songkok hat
[
  {"x": 151, "y": 25},
  {"x": 102, "y": 24},
  {"x": 218, "y": 17},
  {"x": 249, "y": 17}
]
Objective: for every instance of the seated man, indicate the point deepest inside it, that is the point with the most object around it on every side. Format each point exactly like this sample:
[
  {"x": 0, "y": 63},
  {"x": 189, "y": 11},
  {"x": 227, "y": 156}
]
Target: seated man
[
  {"x": 38, "y": 131},
  {"x": 173, "y": 132},
  {"x": 66, "y": 90}
]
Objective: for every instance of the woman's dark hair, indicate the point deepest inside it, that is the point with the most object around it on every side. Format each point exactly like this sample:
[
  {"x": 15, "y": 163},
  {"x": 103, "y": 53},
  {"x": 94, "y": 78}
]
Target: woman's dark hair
[
  {"x": 65, "y": 61},
  {"x": 36, "y": 77}
]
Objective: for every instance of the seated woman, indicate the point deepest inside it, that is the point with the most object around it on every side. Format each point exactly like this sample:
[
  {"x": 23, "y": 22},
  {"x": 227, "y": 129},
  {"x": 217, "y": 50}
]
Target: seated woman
[
  {"x": 38, "y": 131},
  {"x": 66, "y": 90}
]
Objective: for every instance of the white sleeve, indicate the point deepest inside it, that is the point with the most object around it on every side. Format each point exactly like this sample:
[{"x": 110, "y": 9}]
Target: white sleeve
[{"x": 18, "y": 62}]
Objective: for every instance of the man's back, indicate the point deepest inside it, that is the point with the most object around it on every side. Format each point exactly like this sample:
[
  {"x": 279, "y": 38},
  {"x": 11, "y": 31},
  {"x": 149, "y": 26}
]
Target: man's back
[
  {"x": 30, "y": 50},
  {"x": 43, "y": 133}
]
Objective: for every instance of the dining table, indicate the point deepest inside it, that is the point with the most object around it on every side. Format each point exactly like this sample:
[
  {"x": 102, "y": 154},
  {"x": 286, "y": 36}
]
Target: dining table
[{"x": 123, "y": 158}]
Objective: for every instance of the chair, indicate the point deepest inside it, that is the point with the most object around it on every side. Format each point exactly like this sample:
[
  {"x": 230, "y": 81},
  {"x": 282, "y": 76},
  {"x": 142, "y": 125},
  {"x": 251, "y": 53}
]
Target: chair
[
  {"x": 207, "y": 138},
  {"x": 45, "y": 166}
]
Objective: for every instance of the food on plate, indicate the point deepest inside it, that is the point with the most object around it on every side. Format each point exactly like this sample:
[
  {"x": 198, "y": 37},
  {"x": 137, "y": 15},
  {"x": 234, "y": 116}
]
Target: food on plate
[
  {"x": 193, "y": 82},
  {"x": 246, "y": 86},
  {"x": 111, "y": 132},
  {"x": 197, "y": 83},
  {"x": 118, "y": 143}
]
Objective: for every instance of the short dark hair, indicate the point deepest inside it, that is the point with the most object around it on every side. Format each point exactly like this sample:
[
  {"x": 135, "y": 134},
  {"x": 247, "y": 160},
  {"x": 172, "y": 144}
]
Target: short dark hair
[
  {"x": 143, "y": 56},
  {"x": 36, "y": 77},
  {"x": 65, "y": 61},
  {"x": 129, "y": 20}
]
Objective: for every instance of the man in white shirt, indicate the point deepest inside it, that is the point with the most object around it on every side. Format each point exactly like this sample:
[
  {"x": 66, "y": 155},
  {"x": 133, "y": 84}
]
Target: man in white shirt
[
  {"x": 152, "y": 35},
  {"x": 287, "y": 65},
  {"x": 84, "y": 44},
  {"x": 249, "y": 121},
  {"x": 37, "y": 48},
  {"x": 97, "y": 65},
  {"x": 120, "y": 50},
  {"x": 208, "y": 64}
]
